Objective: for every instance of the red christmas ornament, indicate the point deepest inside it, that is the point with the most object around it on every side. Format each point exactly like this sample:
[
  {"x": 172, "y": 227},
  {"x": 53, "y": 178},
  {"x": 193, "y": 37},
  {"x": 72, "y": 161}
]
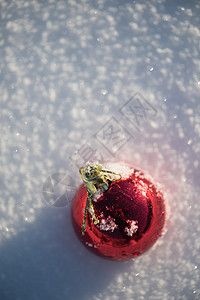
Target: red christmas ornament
[{"x": 117, "y": 216}]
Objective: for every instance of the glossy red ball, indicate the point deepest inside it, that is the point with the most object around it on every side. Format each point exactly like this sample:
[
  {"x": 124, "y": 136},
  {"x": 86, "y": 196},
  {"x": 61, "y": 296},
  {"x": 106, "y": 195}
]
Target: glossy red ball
[{"x": 131, "y": 217}]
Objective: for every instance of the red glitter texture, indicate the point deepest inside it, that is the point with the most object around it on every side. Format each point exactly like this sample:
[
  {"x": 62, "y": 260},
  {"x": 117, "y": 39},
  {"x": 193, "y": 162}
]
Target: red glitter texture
[{"x": 133, "y": 201}]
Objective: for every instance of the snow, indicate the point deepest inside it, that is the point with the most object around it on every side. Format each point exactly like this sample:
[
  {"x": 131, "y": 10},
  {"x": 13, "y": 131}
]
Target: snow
[
  {"x": 107, "y": 224},
  {"x": 120, "y": 168},
  {"x": 108, "y": 81},
  {"x": 132, "y": 228},
  {"x": 97, "y": 195}
]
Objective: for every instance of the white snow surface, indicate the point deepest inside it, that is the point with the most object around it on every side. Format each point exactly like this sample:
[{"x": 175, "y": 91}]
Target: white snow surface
[{"x": 108, "y": 81}]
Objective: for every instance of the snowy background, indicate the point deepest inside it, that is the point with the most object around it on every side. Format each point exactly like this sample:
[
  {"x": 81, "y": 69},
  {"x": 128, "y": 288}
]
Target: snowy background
[{"x": 97, "y": 80}]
